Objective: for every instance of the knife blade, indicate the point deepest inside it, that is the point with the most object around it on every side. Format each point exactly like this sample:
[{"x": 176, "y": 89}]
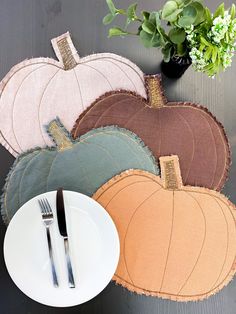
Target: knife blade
[{"x": 61, "y": 218}]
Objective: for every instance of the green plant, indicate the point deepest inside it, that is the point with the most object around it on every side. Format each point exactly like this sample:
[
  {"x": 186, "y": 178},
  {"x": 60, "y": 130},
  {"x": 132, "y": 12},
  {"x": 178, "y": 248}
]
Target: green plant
[
  {"x": 186, "y": 24},
  {"x": 213, "y": 43}
]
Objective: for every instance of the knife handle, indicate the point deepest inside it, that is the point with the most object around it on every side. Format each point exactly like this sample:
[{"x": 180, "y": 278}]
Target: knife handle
[
  {"x": 53, "y": 269},
  {"x": 71, "y": 280}
]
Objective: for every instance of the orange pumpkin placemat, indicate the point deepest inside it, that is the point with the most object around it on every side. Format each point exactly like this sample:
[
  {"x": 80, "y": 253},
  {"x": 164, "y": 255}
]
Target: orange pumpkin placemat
[
  {"x": 37, "y": 90},
  {"x": 177, "y": 242}
]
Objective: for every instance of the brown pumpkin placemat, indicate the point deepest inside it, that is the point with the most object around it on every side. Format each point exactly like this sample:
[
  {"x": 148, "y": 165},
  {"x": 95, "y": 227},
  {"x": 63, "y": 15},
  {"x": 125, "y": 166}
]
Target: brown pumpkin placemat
[
  {"x": 182, "y": 128},
  {"x": 37, "y": 90},
  {"x": 177, "y": 242}
]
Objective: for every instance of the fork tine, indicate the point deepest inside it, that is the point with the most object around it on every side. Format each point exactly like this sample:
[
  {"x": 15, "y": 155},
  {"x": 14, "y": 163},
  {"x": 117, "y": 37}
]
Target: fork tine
[
  {"x": 48, "y": 206},
  {"x": 41, "y": 206},
  {"x": 45, "y": 206}
]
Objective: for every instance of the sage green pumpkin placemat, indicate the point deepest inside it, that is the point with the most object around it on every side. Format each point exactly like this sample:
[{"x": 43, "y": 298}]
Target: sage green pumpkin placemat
[{"x": 81, "y": 165}]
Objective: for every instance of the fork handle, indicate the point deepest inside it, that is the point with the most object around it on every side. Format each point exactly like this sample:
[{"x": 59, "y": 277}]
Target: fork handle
[
  {"x": 53, "y": 269},
  {"x": 71, "y": 280}
]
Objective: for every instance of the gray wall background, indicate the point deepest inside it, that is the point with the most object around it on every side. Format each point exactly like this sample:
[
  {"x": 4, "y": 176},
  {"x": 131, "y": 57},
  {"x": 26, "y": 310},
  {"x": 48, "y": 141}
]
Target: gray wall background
[{"x": 26, "y": 27}]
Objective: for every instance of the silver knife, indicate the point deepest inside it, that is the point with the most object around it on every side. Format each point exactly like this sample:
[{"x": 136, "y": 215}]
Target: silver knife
[{"x": 63, "y": 231}]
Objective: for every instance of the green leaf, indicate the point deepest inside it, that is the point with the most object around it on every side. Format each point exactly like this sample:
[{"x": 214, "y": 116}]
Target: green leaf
[
  {"x": 148, "y": 27},
  {"x": 163, "y": 36},
  {"x": 156, "y": 40},
  {"x": 185, "y": 21},
  {"x": 166, "y": 51},
  {"x": 152, "y": 18},
  {"x": 120, "y": 11},
  {"x": 233, "y": 11},
  {"x": 190, "y": 11},
  {"x": 227, "y": 37},
  {"x": 158, "y": 19},
  {"x": 188, "y": 17},
  {"x": 111, "y": 7},
  {"x": 200, "y": 19},
  {"x": 187, "y": 2},
  {"x": 116, "y": 31},
  {"x": 208, "y": 53},
  {"x": 149, "y": 40},
  {"x": 205, "y": 42},
  {"x": 168, "y": 10},
  {"x": 177, "y": 35},
  {"x": 202, "y": 47},
  {"x": 201, "y": 16},
  {"x": 198, "y": 6},
  {"x": 181, "y": 50},
  {"x": 173, "y": 17},
  {"x": 179, "y": 2},
  {"x": 108, "y": 19},
  {"x": 220, "y": 11},
  {"x": 145, "y": 15},
  {"x": 214, "y": 54},
  {"x": 208, "y": 15},
  {"x": 146, "y": 39},
  {"x": 131, "y": 12}
]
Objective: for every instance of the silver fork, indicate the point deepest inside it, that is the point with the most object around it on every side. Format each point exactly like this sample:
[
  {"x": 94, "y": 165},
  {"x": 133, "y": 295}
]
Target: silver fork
[{"x": 47, "y": 216}]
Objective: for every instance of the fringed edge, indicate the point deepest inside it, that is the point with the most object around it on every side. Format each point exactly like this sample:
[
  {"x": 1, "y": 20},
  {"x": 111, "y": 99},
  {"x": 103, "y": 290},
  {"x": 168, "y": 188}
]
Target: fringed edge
[
  {"x": 228, "y": 162},
  {"x": 118, "y": 58},
  {"x": 122, "y": 175},
  {"x": 74, "y": 130},
  {"x": 114, "y": 128},
  {"x": 91, "y": 57},
  {"x": 6, "y": 79},
  {"x": 47, "y": 60},
  {"x": 8, "y": 147},
  {"x": 43, "y": 60},
  {"x": 26, "y": 63},
  {"x": 4, "y": 214},
  {"x": 140, "y": 98},
  {"x": 90, "y": 133},
  {"x": 158, "y": 180},
  {"x": 171, "y": 297}
]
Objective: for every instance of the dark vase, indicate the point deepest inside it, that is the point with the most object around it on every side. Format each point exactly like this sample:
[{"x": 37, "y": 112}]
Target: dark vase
[{"x": 176, "y": 67}]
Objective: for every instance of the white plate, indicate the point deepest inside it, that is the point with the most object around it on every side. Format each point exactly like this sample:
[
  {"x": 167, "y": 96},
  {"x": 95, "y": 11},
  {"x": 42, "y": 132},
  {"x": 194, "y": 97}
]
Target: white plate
[{"x": 94, "y": 245}]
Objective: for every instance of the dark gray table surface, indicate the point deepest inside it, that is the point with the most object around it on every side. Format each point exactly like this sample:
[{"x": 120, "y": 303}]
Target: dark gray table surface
[{"x": 26, "y": 27}]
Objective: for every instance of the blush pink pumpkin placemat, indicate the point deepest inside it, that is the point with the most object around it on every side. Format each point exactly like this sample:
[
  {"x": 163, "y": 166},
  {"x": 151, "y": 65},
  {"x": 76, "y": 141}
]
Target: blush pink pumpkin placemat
[{"x": 37, "y": 90}]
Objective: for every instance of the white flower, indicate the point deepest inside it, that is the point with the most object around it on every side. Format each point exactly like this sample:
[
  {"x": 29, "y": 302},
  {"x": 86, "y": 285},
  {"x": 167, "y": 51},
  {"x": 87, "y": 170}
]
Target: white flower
[
  {"x": 189, "y": 29},
  {"x": 191, "y": 38},
  {"x": 227, "y": 59},
  {"x": 220, "y": 27},
  {"x": 234, "y": 28},
  {"x": 220, "y": 43},
  {"x": 198, "y": 60}
]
